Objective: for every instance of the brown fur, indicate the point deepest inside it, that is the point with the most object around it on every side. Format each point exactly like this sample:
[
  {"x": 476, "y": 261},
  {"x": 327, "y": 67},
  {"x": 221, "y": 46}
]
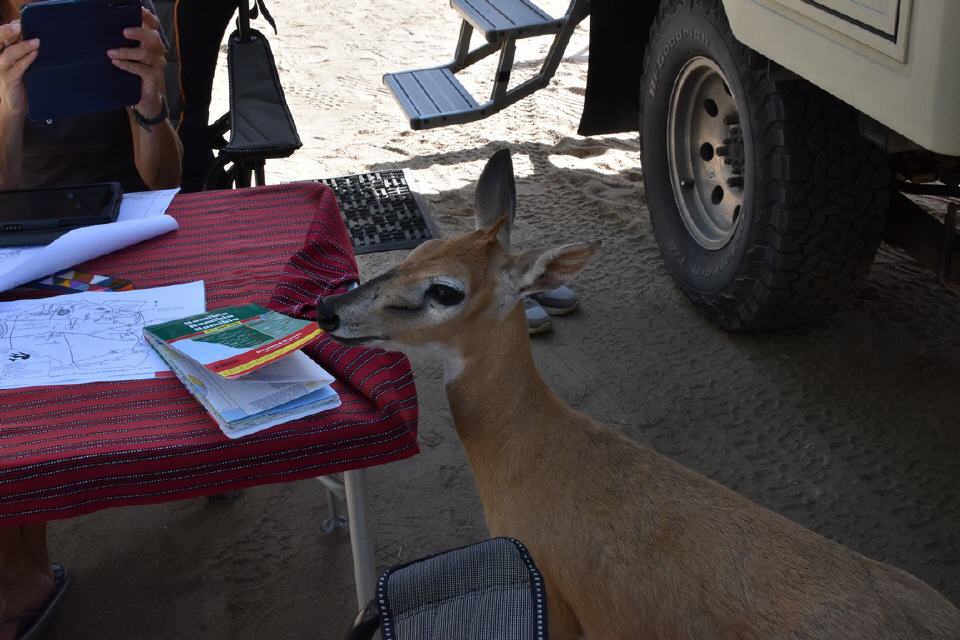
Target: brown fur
[{"x": 631, "y": 544}]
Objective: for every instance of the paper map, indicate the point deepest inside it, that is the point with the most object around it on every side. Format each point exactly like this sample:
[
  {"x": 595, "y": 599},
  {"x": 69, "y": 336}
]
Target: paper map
[
  {"x": 288, "y": 389},
  {"x": 88, "y": 337}
]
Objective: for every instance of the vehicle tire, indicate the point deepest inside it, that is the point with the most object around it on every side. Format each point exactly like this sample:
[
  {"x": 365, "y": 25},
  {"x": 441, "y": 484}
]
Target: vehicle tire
[{"x": 766, "y": 203}]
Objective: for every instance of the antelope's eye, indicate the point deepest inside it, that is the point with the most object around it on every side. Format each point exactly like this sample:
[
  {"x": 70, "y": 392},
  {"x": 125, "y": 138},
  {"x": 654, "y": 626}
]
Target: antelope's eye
[{"x": 445, "y": 295}]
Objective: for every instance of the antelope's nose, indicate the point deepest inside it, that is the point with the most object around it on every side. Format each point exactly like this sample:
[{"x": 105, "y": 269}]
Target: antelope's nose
[{"x": 327, "y": 318}]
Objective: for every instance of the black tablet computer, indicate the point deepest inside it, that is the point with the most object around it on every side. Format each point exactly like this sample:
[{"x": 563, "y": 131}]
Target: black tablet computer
[
  {"x": 40, "y": 216},
  {"x": 72, "y": 74}
]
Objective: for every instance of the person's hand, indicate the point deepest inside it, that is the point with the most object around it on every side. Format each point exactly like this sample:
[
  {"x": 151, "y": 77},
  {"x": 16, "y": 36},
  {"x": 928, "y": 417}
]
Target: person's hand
[
  {"x": 15, "y": 56},
  {"x": 147, "y": 61}
]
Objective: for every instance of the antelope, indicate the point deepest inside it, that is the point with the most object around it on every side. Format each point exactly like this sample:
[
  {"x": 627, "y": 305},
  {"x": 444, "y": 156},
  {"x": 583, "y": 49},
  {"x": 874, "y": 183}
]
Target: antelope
[{"x": 631, "y": 545}]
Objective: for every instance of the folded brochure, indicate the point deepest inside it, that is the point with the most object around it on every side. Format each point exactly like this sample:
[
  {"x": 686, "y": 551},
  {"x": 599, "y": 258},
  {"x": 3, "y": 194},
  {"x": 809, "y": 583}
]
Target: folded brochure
[
  {"x": 245, "y": 366},
  {"x": 234, "y": 341}
]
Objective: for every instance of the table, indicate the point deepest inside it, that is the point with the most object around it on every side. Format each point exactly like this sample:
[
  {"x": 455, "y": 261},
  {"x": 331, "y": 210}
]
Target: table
[{"x": 70, "y": 450}]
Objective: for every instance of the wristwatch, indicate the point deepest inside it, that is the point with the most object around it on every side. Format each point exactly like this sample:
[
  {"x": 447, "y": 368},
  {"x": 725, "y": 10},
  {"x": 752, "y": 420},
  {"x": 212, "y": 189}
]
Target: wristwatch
[{"x": 146, "y": 123}]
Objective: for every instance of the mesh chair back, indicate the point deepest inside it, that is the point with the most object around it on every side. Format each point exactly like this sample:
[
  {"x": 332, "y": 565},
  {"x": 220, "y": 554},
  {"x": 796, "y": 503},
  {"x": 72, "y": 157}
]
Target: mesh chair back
[{"x": 488, "y": 590}]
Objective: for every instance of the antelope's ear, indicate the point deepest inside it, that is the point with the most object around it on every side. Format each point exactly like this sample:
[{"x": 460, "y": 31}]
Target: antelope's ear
[
  {"x": 496, "y": 196},
  {"x": 493, "y": 233},
  {"x": 541, "y": 270}
]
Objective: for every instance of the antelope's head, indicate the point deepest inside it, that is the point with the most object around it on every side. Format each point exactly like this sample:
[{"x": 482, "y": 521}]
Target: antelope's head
[{"x": 449, "y": 292}]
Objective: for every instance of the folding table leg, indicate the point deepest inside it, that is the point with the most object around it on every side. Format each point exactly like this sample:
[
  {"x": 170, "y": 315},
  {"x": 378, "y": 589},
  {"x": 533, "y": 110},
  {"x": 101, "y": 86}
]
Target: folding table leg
[
  {"x": 336, "y": 493},
  {"x": 361, "y": 543}
]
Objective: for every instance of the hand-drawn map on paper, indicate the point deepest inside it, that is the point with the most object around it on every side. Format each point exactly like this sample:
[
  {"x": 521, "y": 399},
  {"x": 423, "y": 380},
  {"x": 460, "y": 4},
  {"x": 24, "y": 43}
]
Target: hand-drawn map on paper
[{"x": 88, "y": 337}]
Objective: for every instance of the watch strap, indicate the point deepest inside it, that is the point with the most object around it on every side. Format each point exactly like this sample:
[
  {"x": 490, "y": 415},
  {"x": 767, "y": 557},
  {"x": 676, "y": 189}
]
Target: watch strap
[{"x": 157, "y": 119}]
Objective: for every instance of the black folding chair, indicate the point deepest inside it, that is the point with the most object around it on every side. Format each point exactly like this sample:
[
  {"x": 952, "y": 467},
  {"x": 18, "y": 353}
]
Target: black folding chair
[
  {"x": 491, "y": 589},
  {"x": 165, "y": 12},
  {"x": 233, "y": 150},
  {"x": 259, "y": 122}
]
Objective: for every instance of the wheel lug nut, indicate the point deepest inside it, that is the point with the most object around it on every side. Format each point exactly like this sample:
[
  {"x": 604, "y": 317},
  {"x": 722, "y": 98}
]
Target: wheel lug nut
[
  {"x": 723, "y": 151},
  {"x": 733, "y": 118},
  {"x": 686, "y": 183},
  {"x": 735, "y": 181}
]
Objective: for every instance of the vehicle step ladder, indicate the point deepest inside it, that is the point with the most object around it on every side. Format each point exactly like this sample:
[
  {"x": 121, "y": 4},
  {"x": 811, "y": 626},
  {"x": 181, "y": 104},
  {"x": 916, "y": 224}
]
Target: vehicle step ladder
[{"x": 434, "y": 97}]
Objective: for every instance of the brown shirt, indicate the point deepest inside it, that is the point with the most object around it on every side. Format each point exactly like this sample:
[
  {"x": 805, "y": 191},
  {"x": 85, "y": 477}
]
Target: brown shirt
[
  {"x": 80, "y": 150},
  {"x": 83, "y": 149}
]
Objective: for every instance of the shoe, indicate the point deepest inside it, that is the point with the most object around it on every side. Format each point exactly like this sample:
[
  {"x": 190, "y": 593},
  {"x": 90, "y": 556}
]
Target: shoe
[
  {"x": 557, "y": 302},
  {"x": 537, "y": 319},
  {"x": 39, "y": 619}
]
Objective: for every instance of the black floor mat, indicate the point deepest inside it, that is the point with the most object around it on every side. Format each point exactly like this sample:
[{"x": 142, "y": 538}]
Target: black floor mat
[{"x": 381, "y": 212}]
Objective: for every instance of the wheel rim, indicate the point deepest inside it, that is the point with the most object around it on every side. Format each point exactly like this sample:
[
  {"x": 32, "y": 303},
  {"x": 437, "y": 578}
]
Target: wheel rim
[{"x": 705, "y": 152}]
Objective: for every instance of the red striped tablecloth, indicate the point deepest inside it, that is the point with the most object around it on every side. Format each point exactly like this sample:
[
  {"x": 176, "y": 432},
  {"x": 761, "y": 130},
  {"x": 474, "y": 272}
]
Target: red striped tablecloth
[{"x": 70, "y": 450}]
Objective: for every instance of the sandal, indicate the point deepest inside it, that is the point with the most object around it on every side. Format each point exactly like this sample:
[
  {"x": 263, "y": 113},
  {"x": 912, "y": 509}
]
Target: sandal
[{"x": 37, "y": 620}]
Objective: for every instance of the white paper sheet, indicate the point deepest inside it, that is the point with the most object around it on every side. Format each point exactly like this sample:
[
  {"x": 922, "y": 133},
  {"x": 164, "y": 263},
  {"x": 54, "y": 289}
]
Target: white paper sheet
[
  {"x": 88, "y": 337},
  {"x": 141, "y": 217},
  {"x": 145, "y": 204}
]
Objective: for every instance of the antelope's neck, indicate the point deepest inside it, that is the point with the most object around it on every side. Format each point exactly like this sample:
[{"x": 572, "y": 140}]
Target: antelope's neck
[{"x": 501, "y": 406}]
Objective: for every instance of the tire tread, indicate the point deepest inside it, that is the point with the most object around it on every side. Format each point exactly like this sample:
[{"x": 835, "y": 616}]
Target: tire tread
[{"x": 821, "y": 195}]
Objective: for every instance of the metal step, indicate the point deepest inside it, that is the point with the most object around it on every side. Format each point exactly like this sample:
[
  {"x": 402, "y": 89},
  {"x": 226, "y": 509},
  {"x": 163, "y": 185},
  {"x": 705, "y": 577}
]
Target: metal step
[
  {"x": 433, "y": 98},
  {"x": 499, "y": 20}
]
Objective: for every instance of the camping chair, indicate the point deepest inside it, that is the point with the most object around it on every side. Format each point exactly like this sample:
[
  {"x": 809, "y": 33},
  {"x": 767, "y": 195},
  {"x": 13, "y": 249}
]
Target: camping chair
[
  {"x": 491, "y": 589},
  {"x": 171, "y": 73},
  {"x": 259, "y": 122},
  {"x": 258, "y": 125}
]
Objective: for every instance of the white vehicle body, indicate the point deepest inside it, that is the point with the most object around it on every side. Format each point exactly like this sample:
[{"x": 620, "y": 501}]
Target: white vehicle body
[{"x": 897, "y": 61}]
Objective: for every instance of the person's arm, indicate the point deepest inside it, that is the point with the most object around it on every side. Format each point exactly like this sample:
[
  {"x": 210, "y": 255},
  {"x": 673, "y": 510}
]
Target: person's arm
[
  {"x": 11, "y": 149},
  {"x": 156, "y": 148},
  {"x": 15, "y": 57}
]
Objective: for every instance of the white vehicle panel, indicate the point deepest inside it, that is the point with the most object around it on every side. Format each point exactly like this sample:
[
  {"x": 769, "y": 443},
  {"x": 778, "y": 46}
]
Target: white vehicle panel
[
  {"x": 875, "y": 14},
  {"x": 882, "y": 25},
  {"x": 906, "y": 79}
]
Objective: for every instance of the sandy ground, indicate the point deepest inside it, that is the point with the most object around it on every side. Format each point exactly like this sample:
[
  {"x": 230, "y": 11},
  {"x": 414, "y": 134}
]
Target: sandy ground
[{"x": 849, "y": 427}]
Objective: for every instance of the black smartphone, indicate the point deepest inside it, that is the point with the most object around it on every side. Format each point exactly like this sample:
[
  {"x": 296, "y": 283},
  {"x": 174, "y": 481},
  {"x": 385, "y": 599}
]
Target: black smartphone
[
  {"x": 72, "y": 74},
  {"x": 40, "y": 216}
]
